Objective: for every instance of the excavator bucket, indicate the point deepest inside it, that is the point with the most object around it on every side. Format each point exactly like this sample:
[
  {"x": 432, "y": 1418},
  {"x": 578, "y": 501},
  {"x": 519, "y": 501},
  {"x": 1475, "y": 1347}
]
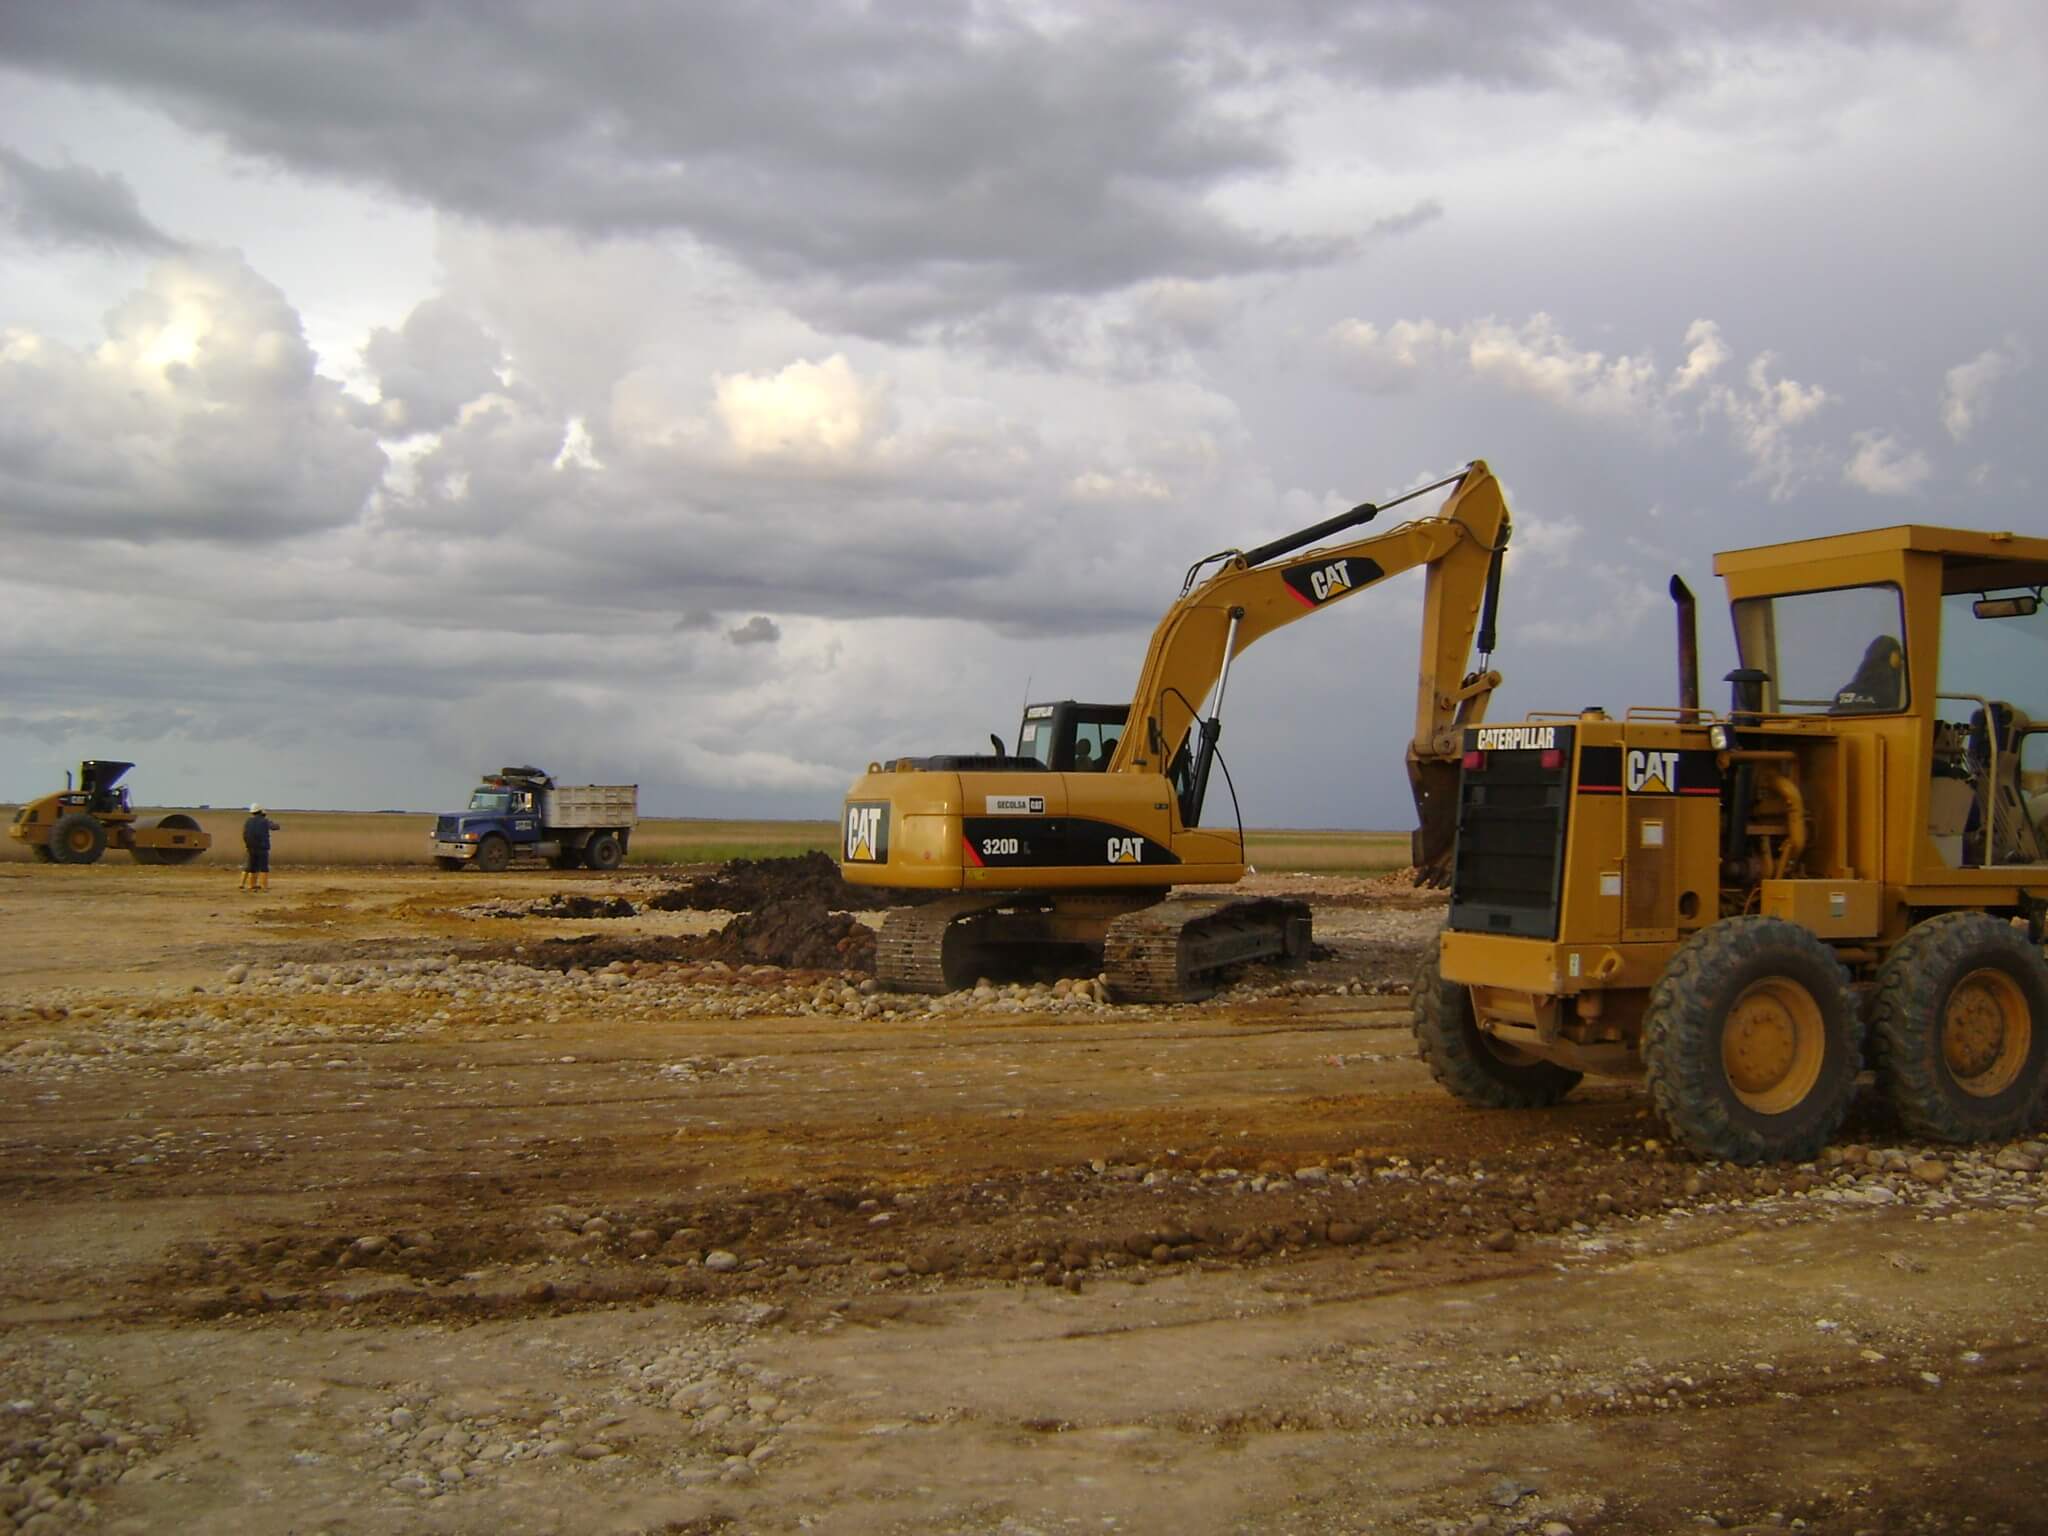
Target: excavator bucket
[{"x": 1435, "y": 784}]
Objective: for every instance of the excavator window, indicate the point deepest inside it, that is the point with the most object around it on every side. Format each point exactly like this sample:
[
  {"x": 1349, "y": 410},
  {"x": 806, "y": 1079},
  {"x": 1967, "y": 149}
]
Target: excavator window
[{"x": 1070, "y": 737}]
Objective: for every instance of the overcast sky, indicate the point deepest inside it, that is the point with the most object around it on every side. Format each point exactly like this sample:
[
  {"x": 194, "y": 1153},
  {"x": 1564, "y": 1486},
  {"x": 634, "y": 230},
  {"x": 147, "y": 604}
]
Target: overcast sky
[{"x": 718, "y": 396}]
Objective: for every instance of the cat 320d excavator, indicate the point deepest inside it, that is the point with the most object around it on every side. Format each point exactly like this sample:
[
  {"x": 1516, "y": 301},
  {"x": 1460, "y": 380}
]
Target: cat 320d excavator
[{"x": 1061, "y": 853}]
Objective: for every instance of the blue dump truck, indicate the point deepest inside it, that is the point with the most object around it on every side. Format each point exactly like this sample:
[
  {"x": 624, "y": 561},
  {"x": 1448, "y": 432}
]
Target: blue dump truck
[{"x": 523, "y": 812}]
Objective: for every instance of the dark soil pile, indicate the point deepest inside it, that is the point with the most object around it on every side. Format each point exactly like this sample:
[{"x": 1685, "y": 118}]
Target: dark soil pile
[
  {"x": 803, "y": 934},
  {"x": 752, "y": 885},
  {"x": 563, "y": 905},
  {"x": 799, "y": 935}
]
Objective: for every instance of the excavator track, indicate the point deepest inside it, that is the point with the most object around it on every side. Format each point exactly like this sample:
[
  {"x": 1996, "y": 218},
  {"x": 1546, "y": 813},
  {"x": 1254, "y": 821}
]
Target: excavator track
[
  {"x": 1174, "y": 952},
  {"x": 912, "y": 953}
]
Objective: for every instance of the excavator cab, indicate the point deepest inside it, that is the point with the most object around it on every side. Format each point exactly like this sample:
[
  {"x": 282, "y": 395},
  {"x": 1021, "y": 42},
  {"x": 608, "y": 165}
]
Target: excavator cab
[{"x": 1070, "y": 737}]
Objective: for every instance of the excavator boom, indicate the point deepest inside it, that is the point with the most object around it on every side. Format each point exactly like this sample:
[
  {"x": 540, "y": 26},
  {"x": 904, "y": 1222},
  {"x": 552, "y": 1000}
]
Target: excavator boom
[{"x": 1252, "y": 594}]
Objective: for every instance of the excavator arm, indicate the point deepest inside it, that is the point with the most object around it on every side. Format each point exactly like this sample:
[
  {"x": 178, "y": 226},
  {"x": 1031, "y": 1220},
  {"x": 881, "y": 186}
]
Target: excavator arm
[{"x": 1253, "y": 593}]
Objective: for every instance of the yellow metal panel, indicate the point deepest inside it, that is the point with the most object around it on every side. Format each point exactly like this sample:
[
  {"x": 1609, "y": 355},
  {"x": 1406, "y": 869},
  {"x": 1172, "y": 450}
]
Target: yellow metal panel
[
  {"x": 1833, "y": 909},
  {"x": 1648, "y": 904},
  {"x": 1547, "y": 968}
]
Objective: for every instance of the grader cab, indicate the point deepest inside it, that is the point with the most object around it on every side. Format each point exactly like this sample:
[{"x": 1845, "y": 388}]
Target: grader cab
[
  {"x": 76, "y": 826},
  {"x": 1850, "y": 863}
]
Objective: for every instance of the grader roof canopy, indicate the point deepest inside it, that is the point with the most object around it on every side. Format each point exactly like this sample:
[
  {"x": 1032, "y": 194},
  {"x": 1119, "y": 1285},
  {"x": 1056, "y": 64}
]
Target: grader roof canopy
[{"x": 1973, "y": 561}]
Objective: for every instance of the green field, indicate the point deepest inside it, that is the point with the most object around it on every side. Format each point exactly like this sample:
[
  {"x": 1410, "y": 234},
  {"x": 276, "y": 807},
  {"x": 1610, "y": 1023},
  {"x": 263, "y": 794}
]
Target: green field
[{"x": 392, "y": 838}]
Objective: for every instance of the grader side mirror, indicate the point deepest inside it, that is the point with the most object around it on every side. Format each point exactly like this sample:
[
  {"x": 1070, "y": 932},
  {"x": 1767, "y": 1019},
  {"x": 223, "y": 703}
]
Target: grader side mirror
[{"x": 2023, "y": 606}]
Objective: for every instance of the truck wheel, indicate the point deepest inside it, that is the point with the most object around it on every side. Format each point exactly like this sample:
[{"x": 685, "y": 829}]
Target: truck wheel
[
  {"x": 1750, "y": 1042},
  {"x": 493, "y": 854},
  {"x": 42, "y": 853},
  {"x": 447, "y": 863},
  {"x": 604, "y": 852},
  {"x": 568, "y": 858},
  {"x": 1476, "y": 1068},
  {"x": 1959, "y": 1028},
  {"x": 77, "y": 839}
]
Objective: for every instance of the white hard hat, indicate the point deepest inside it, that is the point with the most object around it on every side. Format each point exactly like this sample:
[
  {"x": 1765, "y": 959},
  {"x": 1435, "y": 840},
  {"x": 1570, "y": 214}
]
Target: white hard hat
[{"x": 255, "y": 810}]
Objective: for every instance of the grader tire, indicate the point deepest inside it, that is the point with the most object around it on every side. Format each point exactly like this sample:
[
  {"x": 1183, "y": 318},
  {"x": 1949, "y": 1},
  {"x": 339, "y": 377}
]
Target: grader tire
[
  {"x": 1959, "y": 1029},
  {"x": 77, "y": 839},
  {"x": 1475, "y": 1068},
  {"x": 42, "y": 853},
  {"x": 1750, "y": 1042}
]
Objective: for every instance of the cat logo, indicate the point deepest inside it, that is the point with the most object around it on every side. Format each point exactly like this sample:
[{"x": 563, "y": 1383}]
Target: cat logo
[
  {"x": 1127, "y": 850},
  {"x": 867, "y": 832},
  {"x": 1652, "y": 773},
  {"x": 1324, "y": 581},
  {"x": 1331, "y": 580}
]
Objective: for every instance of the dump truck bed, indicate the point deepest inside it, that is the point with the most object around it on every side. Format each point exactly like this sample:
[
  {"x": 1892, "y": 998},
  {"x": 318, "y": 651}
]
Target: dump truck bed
[{"x": 591, "y": 805}]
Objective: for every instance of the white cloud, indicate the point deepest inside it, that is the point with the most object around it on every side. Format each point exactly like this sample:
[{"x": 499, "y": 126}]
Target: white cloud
[
  {"x": 1131, "y": 485},
  {"x": 1708, "y": 353},
  {"x": 1538, "y": 360},
  {"x": 200, "y": 415},
  {"x": 1763, "y": 418},
  {"x": 1535, "y": 358},
  {"x": 1883, "y": 466},
  {"x": 1393, "y": 359},
  {"x": 807, "y": 411},
  {"x": 1967, "y": 387}
]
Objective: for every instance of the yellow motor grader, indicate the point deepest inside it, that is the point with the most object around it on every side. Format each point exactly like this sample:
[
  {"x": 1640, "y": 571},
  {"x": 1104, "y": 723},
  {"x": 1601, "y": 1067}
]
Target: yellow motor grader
[
  {"x": 76, "y": 826},
  {"x": 1851, "y": 861}
]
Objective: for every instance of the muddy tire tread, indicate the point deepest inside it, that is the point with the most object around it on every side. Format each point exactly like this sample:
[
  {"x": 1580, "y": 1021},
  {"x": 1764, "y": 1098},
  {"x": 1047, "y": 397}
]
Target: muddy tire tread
[
  {"x": 1907, "y": 1056},
  {"x": 1449, "y": 1043},
  {"x": 1685, "y": 1077}
]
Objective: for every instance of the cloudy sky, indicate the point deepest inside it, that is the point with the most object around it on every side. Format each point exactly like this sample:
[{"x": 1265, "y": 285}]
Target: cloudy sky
[{"x": 717, "y": 396}]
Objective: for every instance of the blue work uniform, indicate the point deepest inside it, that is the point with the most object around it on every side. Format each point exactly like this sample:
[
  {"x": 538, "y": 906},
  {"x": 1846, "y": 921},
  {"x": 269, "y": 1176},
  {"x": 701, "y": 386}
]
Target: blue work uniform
[{"x": 256, "y": 841}]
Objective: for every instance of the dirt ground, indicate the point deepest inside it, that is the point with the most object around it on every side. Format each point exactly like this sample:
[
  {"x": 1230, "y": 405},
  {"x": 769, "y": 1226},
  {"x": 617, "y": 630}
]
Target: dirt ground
[{"x": 363, "y": 1207}]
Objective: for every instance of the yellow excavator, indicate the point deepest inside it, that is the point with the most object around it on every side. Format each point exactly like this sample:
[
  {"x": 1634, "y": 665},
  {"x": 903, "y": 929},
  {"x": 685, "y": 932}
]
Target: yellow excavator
[{"x": 1060, "y": 854}]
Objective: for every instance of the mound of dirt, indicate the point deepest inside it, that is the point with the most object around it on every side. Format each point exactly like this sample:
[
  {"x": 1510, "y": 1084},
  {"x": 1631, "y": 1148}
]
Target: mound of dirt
[
  {"x": 799, "y": 935},
  {"x": 752, "y": 885}
]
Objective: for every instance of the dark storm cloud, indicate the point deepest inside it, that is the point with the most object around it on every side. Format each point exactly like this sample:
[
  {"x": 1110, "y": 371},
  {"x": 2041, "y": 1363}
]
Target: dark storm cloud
[
  {"x": 861, "y": 141},
  {"x": 759, "y": 630},
  {"x": 1635, "y": 51},
  {"x": 74, "y": 205}
]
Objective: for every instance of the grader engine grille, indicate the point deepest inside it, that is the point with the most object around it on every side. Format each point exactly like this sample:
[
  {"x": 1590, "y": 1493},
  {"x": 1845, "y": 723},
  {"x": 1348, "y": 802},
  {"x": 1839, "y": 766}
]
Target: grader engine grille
[{"x": 1511, "y": 822}]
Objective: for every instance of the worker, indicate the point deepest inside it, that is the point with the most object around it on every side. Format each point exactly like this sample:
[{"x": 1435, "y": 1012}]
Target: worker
[
  {"x": 1084, "y": 757},
  {"x": 256, "y": 843}
]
